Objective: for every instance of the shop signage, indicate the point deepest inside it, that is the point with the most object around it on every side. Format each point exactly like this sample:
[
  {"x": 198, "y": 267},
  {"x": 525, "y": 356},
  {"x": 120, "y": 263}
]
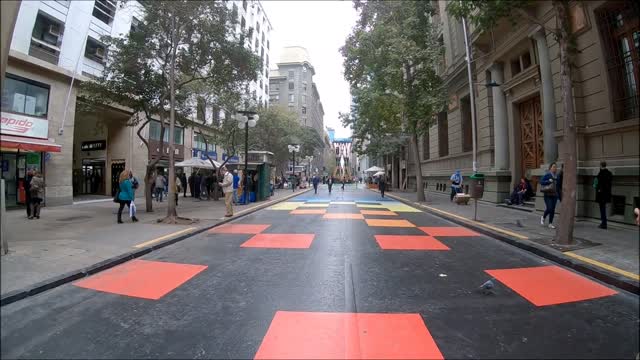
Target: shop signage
[
  {"x": 202, "y": 154},
  {"x": 232, "y": 160},
  {"x": 21, "y": 125},
  {"x": 93, "y": 145}
]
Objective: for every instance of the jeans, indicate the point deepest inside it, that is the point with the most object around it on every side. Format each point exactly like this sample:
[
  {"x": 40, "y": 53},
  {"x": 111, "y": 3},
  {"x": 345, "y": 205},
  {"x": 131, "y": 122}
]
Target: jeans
[
  {"x": 550, "y": 207},
  {"x": 454, "y": 191},
  {"x": 603, "y": 213},
  {"x": 159, "y": 192},
  {"x": 235, "y": 195}
]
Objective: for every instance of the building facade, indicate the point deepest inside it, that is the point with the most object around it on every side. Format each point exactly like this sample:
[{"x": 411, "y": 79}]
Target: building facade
[
  {"x": 519, "y": 121},
  {"x": 291, "y": 85},
  {"x": 55, "y": 47}
]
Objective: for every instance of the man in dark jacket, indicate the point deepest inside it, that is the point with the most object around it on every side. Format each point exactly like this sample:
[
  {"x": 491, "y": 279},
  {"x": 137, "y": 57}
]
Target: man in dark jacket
[
  {"x": 602, "y": 184},
  {"x": 27, "y": 191},
  {"x": 183, "y": 181}
]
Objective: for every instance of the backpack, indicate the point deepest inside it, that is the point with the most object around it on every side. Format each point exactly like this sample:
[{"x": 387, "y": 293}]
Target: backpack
[{"x": 134, "y": 183}]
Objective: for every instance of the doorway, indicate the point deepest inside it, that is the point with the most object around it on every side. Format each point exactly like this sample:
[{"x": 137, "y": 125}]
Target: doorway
[
  {"x": 531, "y": 137},
  {"x": 117, "y": 166},
  {"x": 92, "y": 177}
]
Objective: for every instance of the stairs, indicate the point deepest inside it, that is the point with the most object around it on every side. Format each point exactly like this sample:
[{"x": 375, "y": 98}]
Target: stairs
[{"x": 529, "y": 206}]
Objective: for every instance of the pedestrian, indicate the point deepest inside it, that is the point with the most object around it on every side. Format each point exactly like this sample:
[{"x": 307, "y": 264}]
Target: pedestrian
[
  {"x": 191, "y": 185},
  {"x": 316, "y": 181},
  {"x": 126, "y": 194},
  {"x": 637, "y": 212},
  {"x": 227, "y": 189},
  {"x": 549, "y": 188},
  {"x": 602, "y": 185},
  {"x": 330, "y": 183},
  {"x": 134, "y": 184},
  {"x": 196, "y": 185},
  {"x": 456, "y": 184},
  {"x": 344, "y": 180},
  {"x": 37, "y": 194},
  {"x": 236, "y": 183},
  {"x": 176, "y": 189},
  {"x": 160, "y": 183},
  {"x": 519, "y": 192},
  {"x": 27, "y": 191},
  {"x": 183, "y": 181},
  {"x": 382, "y": 184}
]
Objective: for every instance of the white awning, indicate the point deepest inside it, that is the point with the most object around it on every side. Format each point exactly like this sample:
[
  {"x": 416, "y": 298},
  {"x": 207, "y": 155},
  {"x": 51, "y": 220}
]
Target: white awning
[
  {"x": 196, "y": 162},
  {"x": 374, "y": 169}
]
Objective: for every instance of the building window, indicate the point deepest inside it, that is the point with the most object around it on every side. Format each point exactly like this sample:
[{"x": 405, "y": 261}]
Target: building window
[
  {"x": 268, "y": 44},
  {"x": 620, "y": 31},
  {"x": 24, "y": 96},
  {"x": 262, "y": 38},
  {"x": 46, "y": 39},
  {"x": 304, "y": 120},
  {"x": 154, "y": 133},
  {"x": 292, "y": 98},
  {"x": 243, "y": 23},
  {"x": 304, "y": 109},
  {"x": 290, "y": 107},
  {"x": 304, "y": 86},
  {"x": 64, "y": 3},
  {"x": 261, "y": 85},
  {"x": 425, "y": 146},
  {"x": 290, "y": 75},
  {"x": 104, "y": 10},
  {"x": 520, "y": 63},
  {"x": 304, "y": 99},
  {"x": 135, "y": 25},
  {"x": 234, "y": 14},
  {"x": 244, "y": 5},
  {"x": 467, "y": 131},
  {"x": 198, "y": 142},
  {"x": 95, "y": 50},
  {"x": 291, "y": 86},
  {"x": 257, "y": 27},
  {"x": 443, "y": 134}
]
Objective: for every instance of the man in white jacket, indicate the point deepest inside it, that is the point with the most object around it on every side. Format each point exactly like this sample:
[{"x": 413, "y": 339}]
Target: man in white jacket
[{"x": 227, "y": 188}]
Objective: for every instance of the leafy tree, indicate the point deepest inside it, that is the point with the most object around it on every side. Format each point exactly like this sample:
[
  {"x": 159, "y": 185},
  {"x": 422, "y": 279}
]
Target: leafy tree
[
  {"x": 273, "y": 133},
  {"x": 485, "y": 14},
  {"x": 153, "y": 70},
  {"x": 390, "y": 60}
]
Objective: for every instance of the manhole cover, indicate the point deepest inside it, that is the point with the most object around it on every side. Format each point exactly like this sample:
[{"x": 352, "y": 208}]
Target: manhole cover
[{"x": 74, "y": 218}]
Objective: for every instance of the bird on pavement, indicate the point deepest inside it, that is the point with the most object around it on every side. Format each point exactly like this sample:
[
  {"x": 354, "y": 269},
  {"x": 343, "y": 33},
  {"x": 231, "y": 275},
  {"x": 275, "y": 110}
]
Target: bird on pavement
[{"x": 487, "y": 287}]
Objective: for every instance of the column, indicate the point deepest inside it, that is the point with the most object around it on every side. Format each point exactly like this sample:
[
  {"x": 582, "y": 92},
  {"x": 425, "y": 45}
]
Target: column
[
  {"x": 548, "y": 100},
  {"x": 500, "y": 125}
]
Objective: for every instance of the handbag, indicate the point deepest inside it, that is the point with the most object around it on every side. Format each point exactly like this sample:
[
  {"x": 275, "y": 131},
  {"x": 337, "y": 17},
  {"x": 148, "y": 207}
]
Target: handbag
[
  {"x": 132, "y": 209},
  {"x": 549, "y": 189},
  {"x": 116, "y": 197}
]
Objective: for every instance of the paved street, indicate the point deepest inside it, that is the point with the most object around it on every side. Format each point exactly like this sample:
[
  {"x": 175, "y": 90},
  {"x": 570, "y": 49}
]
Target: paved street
[{"x": 346, "y": 275}]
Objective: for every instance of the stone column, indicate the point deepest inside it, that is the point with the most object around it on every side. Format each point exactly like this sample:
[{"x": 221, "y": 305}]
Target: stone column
[
  {"x": 548, "y": 100},
  {"x": 500, "y": 124}
]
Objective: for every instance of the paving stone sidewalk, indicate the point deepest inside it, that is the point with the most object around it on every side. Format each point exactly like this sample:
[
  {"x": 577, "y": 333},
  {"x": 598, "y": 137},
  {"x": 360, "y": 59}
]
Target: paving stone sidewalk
[
  {"x": 68, "y": 238},
  {"x": 617, "y": 246}
]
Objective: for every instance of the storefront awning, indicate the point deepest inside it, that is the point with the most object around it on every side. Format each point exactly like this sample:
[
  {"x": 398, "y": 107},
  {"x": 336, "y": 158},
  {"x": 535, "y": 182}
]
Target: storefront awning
[{"x": 28, "y": 144}]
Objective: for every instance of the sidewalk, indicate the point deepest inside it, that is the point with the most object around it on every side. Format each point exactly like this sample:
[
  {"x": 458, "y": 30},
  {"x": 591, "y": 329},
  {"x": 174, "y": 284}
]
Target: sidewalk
[
  {"x": 68, "y": 238},
  {"x": 615, "y": 250}
]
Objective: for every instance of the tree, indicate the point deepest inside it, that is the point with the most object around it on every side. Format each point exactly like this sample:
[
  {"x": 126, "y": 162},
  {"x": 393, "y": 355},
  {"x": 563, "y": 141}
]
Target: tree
[
  {"x": 153, "y": 69},
  {"x": 485, "y": 14},
  {"x": 273, "y": 133},
  {"x": 390, "y": 61}
]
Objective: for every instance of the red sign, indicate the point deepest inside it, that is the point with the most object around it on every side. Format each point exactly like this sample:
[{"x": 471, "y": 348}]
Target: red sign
[{"x": 21, "y": 125}]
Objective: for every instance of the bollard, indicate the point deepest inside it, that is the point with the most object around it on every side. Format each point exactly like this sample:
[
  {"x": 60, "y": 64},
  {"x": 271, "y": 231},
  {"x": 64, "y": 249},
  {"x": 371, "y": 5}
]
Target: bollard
[{"x": 3, "y": 220}]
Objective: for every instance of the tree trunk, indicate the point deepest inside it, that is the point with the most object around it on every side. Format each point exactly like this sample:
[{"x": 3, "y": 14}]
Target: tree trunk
[
  {"x": 171, "y": 203},
  {"x": 148, "y": 188},
  {"x": 564, "y": 233},
  {"x": 416, "y": 156}
]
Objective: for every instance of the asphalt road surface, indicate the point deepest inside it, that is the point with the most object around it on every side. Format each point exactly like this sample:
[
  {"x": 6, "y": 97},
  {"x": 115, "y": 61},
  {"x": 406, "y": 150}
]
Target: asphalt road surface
[{"x": 346, "y": 275}]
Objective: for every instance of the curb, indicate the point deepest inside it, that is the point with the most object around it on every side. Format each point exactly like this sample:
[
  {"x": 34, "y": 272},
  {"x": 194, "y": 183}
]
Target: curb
[
  {"x": 56, "y": 281},
  {"x": 556, "y": 256}
]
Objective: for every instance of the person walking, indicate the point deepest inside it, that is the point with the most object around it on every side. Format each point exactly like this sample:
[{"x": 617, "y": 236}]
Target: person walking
[
  {"x": 27, "y": 191},
  {"x": 183, "y": 181},
  {"x": 344, "y": 180},
  {"x": 330, "y": 183},
  {"x": 177, "y": 188},
  {"x": 160, "y": 183},
  {"x": 126, "y": 194},
  {"x": 191, "y": 185},
  {"x": 236, "y": 183},
  {"x": 315, "y": 181},
  {"x": 456, "y": 184},
  {"x": 196, "y": 185},
  {"x": 549, "y": 188},
  {"x": 382, "y": 184},
  {"x": 227, "y": 189},
  {"x": 602, "y": 184},
  {"x": 37, "y": 194}
]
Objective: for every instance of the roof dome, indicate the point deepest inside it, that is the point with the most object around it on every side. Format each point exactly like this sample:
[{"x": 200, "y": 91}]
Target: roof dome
[{"x": 294, "y": 54}]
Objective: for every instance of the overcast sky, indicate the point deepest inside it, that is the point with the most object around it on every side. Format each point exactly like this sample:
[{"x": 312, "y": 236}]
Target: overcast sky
[{"x": 321, "y": 27}]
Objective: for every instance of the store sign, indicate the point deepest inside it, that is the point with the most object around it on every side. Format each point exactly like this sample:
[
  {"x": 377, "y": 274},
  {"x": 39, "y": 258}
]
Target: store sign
[
  {"x": 232, "y": 160},
  {"x": 203, "y": 155},
  {"x": 93, "y": 145},
  {"x": 21, "y": 125}
]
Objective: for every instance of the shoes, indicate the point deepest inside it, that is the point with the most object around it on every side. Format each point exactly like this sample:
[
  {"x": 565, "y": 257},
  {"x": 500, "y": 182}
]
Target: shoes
[
  {"x": 551, "y": 226},
  {"x": 38, "y": 217},
  {"x": 30, "y": 218},
  {"x": 542, "y": 220},
  {"x": 120, "y": 221},
  {"x": 602, "y": 226},
  {"x": 134, "y": 219},
  {"x": 228, "y": 215}
]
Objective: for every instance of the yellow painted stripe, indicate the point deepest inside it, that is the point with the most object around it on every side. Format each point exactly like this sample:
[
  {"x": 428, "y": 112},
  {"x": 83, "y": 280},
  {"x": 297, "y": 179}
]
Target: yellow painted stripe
[
  {"x": 169, "y": 236},
  {"x": 494, "y": 228},
  {"x": 604, "y": 266}
]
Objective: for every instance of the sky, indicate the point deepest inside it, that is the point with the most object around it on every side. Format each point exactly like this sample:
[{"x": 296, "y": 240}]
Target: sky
[{"x": 321, "y": 27}]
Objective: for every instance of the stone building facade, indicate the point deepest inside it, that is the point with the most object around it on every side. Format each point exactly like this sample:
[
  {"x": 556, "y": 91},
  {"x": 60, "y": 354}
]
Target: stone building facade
[{"x": 519, "y": 121}]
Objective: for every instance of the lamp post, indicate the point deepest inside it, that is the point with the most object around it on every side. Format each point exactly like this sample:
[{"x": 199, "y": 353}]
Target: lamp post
[
  {"x": 246, "y": 119},
  {"x": 294, "y": 148}
]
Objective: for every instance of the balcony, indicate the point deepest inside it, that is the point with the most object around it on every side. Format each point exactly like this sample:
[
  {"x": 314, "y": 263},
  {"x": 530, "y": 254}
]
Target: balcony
[{"x": 44, "y": 51}]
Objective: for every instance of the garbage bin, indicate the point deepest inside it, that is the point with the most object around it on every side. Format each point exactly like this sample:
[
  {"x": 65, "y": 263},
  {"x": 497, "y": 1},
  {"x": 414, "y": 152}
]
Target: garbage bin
[{"x": 477, "y": 186}]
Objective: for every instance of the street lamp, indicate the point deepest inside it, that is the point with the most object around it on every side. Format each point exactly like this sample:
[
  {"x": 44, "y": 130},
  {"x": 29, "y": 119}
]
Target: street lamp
[
  {"x": 294, "y": 148},
  {"x": 246, "y": 119}
]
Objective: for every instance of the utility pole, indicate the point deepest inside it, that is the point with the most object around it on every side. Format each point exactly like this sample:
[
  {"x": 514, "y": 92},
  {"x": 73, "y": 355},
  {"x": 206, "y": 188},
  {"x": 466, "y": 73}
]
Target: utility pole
[{"x": 472, "y": 98}]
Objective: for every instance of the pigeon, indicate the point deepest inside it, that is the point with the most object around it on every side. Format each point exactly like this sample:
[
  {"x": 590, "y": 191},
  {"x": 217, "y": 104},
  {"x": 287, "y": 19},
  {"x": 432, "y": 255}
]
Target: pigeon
[{"x": 487, "y": 287}]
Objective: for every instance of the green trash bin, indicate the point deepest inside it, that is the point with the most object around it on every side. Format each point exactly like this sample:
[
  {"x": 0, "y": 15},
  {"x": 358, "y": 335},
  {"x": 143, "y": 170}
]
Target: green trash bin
[{"x": 477, "y": 186}]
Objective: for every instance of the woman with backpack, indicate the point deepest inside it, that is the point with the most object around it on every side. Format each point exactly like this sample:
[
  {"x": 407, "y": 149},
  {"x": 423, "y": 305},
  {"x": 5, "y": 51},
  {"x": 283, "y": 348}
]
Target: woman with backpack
[
  {"x": 36, "y": 190},
  {"x": 126, "y": 194},
  {"x": 550, "y": 189}
]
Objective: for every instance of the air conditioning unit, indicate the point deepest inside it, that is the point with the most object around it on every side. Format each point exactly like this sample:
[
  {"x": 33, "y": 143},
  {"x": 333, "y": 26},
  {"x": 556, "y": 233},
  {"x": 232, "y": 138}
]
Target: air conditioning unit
[
  {"x": 54, "y": 30},
  {"x": 100, "y": 53}
]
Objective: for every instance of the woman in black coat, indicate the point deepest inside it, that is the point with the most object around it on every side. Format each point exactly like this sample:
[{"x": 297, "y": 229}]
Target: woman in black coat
[{"x": 602, "y": 185}]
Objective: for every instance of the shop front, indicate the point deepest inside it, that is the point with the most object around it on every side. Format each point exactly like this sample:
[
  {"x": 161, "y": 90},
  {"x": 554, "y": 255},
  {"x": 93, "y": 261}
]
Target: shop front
[{"x": 24, "y": 146}]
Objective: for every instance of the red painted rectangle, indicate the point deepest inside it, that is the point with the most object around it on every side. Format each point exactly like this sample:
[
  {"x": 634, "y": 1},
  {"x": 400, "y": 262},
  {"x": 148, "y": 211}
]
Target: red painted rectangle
[
  {"x": 409, "y": 242},
  {"x": 280, "y": 241}
]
